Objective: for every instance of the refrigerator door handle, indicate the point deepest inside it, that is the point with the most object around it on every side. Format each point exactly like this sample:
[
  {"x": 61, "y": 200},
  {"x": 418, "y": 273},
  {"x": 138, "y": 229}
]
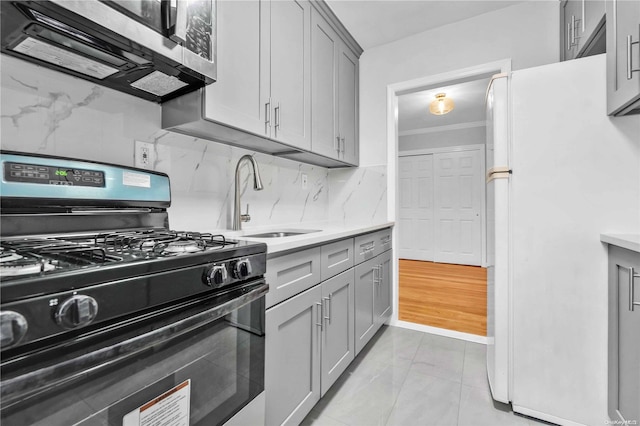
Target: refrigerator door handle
[
  {"x": 499, "y": 172},
  {"x": 494, "y": 77}
]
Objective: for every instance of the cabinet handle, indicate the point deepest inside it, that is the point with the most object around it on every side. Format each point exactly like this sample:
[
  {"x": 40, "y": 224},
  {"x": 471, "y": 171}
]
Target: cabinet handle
[
  {"x": 368, "y": 248},
  {"x": 568, "y": 35},
  {"x": 583, "y": 15},
  {"x": 630, "y": 69},
  {"x": 276, "y": 110},
  {"x": 319, "y": 322},
  {"x": 632, "y": 296},
  {"x": 342, "y": 139},
  {"x": 336, "y": 144},
  {"x": 267, "y": 116},
  {"x": 573, "y": 29},
  {"x": 376, "y": 275},
  {"x": 327, "y": 316}
]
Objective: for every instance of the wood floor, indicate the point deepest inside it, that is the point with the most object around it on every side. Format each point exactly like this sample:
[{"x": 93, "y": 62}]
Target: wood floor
[{"x": 444, "y": 295}]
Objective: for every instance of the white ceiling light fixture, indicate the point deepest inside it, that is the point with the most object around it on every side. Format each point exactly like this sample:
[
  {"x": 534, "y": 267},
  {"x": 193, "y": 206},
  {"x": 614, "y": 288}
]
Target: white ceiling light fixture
[{"x": 441, "y": 105}]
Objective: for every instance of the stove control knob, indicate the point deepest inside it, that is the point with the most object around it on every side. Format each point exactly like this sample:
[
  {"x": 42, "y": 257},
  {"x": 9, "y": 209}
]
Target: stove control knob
[
  {"x": 13, "y": 327},
  {"x": 77, "y": 311},
  {"x": 242, "y": 269},
  {"x": 215, "y": 275}
]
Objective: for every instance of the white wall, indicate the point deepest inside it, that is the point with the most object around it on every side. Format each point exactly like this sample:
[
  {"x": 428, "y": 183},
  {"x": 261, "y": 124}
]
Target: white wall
[
  {"x": 443, "y": 139},
  {"x": 528, "y": 33},
  {"x": 44, "y": 111}
]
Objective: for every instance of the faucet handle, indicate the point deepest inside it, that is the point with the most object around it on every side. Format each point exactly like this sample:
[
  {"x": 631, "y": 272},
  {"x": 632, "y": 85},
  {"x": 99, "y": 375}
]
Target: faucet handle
[{"x": 245, "y": 217}]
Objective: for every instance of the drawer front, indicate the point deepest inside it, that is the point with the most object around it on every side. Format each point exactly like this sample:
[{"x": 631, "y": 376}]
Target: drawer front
[
  {"x": 335, "y": 258},
  {"x": 372, "y": 244},
  {"x": 291, "y": 274},
  {"x": 364, "y": 247},
  {"x": 383, "y": 241}
]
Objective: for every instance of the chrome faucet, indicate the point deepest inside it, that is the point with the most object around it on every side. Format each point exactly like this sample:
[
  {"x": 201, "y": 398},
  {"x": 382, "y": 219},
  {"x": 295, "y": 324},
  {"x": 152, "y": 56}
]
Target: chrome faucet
[{"x": 238, "y": 218}]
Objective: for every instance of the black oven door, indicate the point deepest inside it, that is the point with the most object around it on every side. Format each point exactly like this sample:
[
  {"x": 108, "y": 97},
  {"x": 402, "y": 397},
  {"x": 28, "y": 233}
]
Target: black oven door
[{"x": 197, "y": 363}]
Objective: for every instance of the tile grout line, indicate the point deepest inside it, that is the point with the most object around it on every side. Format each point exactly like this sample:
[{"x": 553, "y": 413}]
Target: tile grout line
[
  {"x": 386, "y": 422},
  {"x": 464, "y": 359}
]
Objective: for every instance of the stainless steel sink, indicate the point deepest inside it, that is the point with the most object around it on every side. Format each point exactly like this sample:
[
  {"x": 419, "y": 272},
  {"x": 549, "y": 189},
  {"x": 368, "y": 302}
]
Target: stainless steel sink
[{"x": 284, "y": 233}]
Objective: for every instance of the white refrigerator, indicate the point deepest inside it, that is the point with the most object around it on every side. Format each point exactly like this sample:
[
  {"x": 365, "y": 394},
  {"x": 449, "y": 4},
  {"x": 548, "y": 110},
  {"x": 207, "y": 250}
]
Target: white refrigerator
[{"x": 564, "y": 172}]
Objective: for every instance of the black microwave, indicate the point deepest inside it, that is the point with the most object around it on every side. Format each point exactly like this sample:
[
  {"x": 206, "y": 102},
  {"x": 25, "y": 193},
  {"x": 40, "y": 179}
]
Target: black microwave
[{"x": 154, "y": 49}]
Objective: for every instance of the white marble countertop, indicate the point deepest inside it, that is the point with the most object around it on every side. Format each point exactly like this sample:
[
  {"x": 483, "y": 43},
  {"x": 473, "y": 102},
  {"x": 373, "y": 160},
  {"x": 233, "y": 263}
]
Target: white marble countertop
[
  {"x": 326, "y": 231},
  {"x": 628, "y": 241}
]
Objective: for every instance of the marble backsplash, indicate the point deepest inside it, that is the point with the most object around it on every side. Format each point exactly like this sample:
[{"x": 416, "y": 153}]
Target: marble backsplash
[{"x": 43, "y": 111}]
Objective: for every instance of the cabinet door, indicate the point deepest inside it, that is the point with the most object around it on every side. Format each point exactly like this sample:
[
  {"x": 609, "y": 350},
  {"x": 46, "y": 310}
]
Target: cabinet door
[
  {"x": 236, "y": 99},
  {"x": 628, "y": 346},
  {"x": 623, "y": 55},
  {"x": 624, "y": 332},
  {"x": 365, "y": 319},
  {"x": 592, "y": 13},
  {"x": 292, "y": 358},
  {"x": 572, "y": 13},
  {"x": 383, "y": 288},
  {"x": 348, "y": 104},
  {"x": 290, "y": 72},
  {"x": 338, "y": 322},
  {"x": 324, "y": 56}
]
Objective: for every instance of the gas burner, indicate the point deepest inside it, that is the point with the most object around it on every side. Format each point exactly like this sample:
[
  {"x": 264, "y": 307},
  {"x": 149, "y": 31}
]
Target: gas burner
[
  {"x": 185, "y": 246},
  {"x": 23, "y": 266}
]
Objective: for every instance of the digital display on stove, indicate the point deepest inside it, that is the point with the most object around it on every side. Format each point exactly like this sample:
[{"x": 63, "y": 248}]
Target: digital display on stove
[{"x": 52, "y": 175}]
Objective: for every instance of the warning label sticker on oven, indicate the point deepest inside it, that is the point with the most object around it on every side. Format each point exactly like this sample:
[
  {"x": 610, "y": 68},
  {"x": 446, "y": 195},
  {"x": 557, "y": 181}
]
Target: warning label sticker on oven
[
  {"x": 136, "y": 179},
  {"x": 169, "y": 409}
]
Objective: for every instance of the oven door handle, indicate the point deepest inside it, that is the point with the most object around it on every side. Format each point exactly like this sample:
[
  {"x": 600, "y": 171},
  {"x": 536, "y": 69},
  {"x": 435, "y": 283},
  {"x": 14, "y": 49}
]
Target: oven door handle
[{"x": 18, "y": 388}]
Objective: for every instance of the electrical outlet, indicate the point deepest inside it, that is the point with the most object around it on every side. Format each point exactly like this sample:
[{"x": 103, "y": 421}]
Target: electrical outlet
[
  {"x": 304, "y": 181},
  {"x": 143, "y": 155}
]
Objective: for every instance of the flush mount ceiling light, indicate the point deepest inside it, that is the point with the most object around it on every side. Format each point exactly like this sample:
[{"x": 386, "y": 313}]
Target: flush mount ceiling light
[{"x": 441, "y": 105}]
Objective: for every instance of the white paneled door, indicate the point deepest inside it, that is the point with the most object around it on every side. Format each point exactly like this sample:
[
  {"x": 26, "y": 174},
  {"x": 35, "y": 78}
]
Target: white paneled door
[
  {"x": 458, "y": 201},
  {"x": 415, "y": 177},
  {"x": 440, "y": 204}
]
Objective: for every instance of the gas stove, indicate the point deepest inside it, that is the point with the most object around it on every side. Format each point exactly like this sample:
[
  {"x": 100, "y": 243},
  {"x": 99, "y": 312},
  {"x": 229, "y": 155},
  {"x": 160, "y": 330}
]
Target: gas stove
[{"x": 85, "y": 245}]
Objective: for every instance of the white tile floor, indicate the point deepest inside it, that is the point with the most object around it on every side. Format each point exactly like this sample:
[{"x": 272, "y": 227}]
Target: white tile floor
[{"x": 406, "y": 378}]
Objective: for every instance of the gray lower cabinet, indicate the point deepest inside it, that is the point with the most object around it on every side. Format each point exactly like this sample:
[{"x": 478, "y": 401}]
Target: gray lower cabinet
[
  {"x": 373, "y": 297},
  {"x": 309, "y": 344},
  {"x": 292, "y": 358},
  {"x": 337, "y": 327},
  {"x": 624, "y": 335}
]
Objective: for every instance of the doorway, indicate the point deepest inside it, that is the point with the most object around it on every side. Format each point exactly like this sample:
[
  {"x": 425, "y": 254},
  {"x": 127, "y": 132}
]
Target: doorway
[{"x": 438, "y": 203}]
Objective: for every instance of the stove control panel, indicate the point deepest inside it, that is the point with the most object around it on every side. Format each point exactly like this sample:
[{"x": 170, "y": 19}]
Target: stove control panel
[
  {"x": 51, "y": 175},
  {"x": 77, "y": 311},
  {"x": 242, "y": 268},
  {"x": 13, "y": 327},
  {"x": 216, "y": 275}
]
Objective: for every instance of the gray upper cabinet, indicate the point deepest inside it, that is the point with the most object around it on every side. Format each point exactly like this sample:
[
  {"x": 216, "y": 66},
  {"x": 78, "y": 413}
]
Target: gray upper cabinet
[
  {"x": 334, "y": 93},
  {"x": 348, "y": 104},
  {"x": 624, "y": 335},
  {"x": 263, "y": 98},
  {"x": 289, "y": 61},
  {"x": 324, "y": 55},
  {"x": 583, "y": 28},
  {"x": 236, "y": 98},
  {"x": 623, "y": 57}
]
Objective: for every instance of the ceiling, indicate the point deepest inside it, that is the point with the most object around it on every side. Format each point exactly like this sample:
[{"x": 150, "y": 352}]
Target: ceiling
[
  {"x": 413, "y": 108},
  {"x": 376, "y": 22}
]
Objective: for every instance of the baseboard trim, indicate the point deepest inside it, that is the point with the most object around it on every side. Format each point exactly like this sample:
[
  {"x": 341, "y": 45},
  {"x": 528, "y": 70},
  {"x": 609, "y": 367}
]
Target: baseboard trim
[
  {"x": 543, "y": 416},
  {"x": 440, "y": 331}
]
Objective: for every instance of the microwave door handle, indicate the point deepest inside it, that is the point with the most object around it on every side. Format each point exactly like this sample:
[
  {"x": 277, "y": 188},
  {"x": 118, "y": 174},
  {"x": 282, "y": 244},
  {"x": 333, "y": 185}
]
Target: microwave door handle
[
  {"x": 179, "y": 33},
  {"x": 165, "y": 16}
]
